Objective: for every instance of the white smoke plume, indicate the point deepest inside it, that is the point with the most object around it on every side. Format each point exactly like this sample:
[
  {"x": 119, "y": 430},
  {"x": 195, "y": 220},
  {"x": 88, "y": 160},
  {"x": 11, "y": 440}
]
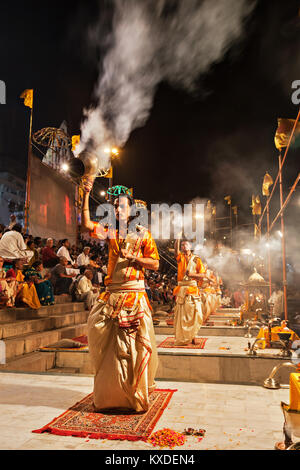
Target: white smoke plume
[{"x": 152, "y": 41}]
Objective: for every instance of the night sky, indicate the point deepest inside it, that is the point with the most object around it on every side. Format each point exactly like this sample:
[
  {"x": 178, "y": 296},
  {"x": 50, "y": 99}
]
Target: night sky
[{"x": 216, "y": 142}]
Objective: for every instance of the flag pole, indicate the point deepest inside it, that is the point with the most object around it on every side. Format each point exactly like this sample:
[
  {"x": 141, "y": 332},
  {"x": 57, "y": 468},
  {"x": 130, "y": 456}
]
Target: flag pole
[
  {"x": 283, "y": 241},
  {"x": 230, "y": 225},
  {"x": 28, "y": 181},
  {"x": 269, "y": 254}
]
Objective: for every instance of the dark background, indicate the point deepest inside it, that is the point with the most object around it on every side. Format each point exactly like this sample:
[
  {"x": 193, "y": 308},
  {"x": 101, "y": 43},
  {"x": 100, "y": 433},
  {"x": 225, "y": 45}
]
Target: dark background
[{"x": 216, "y": 142}]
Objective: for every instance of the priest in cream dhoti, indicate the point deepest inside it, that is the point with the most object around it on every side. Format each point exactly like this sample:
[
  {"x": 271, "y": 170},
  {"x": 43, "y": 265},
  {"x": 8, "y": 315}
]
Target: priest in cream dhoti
[
  {"x": 120, "y": 330},
  {"x": 210, "y": 293},
  {"x": 188, "y": 316}
]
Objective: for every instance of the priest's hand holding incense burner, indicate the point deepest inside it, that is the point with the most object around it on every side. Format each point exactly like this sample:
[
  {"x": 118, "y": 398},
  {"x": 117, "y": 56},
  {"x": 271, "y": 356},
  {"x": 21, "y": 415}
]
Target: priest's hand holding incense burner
[
  {"x": 139, "y": 262},
  {"x": 196, "y": 276}
]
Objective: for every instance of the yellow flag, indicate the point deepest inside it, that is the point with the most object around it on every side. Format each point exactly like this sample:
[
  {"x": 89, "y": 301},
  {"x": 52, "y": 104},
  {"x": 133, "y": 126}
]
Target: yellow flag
[
  {"x": 27, "y": 95},
  {"x": 256, "y": 205},
  {"x": 235, "y": 210},
  {"x": 75, "y": 141},
  {"x": 283, "y": 132},
  {"x": 110, "y": 173},
  {"x": 228, "y": 199},
  {"x": 267, "y": 182}
]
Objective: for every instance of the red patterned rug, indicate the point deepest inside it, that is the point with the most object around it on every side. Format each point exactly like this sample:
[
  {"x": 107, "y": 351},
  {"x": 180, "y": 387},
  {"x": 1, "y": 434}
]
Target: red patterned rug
[
  {"x": 80, "y": 420},
  {"x": 169, "y": 343}
]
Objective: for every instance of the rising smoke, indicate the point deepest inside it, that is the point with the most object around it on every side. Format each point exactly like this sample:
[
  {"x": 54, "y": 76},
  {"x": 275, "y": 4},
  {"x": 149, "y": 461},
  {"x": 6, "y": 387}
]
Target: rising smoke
[{"x": 153, "y": 41}]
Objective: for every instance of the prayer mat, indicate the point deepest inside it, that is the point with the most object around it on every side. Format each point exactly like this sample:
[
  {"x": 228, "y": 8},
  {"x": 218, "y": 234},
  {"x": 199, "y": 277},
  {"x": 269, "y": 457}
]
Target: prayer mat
[
  {"x": 81, "y": 421},
  {"x": 169, "y": 343}
]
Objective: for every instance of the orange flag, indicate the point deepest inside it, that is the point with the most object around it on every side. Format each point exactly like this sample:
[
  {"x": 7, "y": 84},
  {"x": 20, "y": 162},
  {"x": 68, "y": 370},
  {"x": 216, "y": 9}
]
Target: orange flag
[
  {"x": 267, "y": 182},
  {"x": 256, "y": 205},
  {"x": 27, "y": 95},
  {"x": 283, "y": 132}
]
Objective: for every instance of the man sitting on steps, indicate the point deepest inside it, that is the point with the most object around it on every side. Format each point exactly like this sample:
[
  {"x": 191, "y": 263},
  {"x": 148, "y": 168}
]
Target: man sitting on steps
[{"x": 85, "y": 290}]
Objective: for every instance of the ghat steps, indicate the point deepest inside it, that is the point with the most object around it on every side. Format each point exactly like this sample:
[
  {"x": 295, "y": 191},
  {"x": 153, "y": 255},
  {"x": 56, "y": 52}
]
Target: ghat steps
[
  {"x": 24, "y": 331},
  {"x": 223, "y": 360}
]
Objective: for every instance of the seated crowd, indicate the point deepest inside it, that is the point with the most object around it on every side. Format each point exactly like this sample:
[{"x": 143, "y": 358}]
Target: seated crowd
[{"x": 34, "y": 270}]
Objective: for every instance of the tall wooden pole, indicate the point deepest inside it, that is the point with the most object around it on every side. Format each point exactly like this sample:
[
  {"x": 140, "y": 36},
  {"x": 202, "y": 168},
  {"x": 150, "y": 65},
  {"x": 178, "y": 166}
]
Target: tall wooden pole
[
  {"x": 28, "y": 181},
  {"x": 230, "y": 225},
  {"x": 283, "y": 242},
  {"x": 269, "y": 254}
]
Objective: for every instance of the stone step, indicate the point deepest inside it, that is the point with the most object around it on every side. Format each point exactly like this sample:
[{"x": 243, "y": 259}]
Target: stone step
[
  {"x": 80, "y": 360},
  {"x": 62, "y": 308},
  {"x": 237, "y": 331},
  {"x": 63, "y": 370},
  {"x": 21, "y": 327},
  {"x": 228, "y": 310},
  {"x": 224, "y": 315},
  {"x": 62, "y": 299},
  {"x": 33, "y": 362},
  {"x": 192, "y": 366},
  {"x": 8, "y": 314},
  {"x": 74, "y": 331},
  {"x": 28, "y": 343}
]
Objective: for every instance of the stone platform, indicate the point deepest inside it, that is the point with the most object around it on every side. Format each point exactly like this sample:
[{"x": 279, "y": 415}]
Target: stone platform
[
  {"x": 235, "y": 417},
  {"x": 222, "y": 330},
  {"x": 223, "y": 360}
]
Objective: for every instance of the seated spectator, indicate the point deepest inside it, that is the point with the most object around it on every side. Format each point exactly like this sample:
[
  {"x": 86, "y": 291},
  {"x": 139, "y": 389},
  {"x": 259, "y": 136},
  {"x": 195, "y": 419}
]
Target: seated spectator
[
  {"x": 85, "y": 290},
  {"x": 95, "y": 262},
  {"x": 12, "y": 245},
  {"x": 49, "y": 257},
  {"x": 25, "y": 292},
  {"x": 64, "y": 251},
  {"x": 7, "y": 287},
  {"x": 38, "y": 247},
  {"x": 83, "y": 259},
  {"x": 42, "y": 284},
  {"x": 31, "y": 248},
  {"x": 60, "y": 280}
]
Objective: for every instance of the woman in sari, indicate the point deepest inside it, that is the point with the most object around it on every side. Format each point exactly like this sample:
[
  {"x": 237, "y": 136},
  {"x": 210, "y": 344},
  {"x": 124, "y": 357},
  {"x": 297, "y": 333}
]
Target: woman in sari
[
  {"x": 14, "y": 280},
  {"x": 5, "y": 292},
  {"x": 42, "y": 284},
  {"x": 25, "y": 289}
]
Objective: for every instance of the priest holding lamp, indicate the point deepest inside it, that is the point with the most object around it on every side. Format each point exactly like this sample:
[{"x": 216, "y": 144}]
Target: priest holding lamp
[
  {"x": 120, "y": 330},
  {"x": 188, "y": 310}
]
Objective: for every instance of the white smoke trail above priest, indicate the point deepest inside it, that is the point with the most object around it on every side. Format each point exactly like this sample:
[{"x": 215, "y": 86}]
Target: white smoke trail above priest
[{"x": 153, "y": 41}]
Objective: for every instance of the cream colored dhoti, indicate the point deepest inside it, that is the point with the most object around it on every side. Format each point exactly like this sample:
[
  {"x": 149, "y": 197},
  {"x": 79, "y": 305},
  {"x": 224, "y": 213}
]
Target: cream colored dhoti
[
  {"x": 188, "y": 316},
  {"x": 125, "y": 362}
]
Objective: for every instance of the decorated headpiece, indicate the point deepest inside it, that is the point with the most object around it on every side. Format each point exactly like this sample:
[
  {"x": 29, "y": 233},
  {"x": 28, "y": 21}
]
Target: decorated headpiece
[{"x": 118, "y": 190}]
